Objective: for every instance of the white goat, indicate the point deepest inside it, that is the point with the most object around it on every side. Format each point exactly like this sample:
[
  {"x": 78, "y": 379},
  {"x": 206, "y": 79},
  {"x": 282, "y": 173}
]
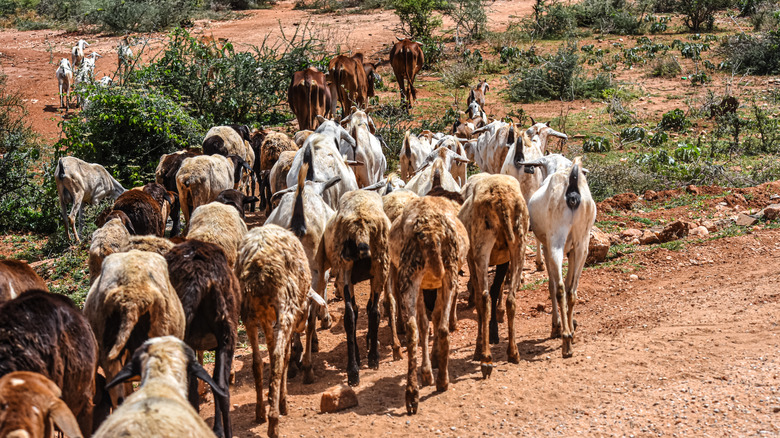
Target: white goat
[
  {"x": 64, "y": 76},
  {"x": 86, "y": 73},
  {"x": 367, "y": 149},
  {"x": 79, "y": 182},
  {"x": 77, "y": 53},
  {"x": 490, "y": 148},
  {"x": 413, "y": 151},
  {"x": 562, "y": 213}
]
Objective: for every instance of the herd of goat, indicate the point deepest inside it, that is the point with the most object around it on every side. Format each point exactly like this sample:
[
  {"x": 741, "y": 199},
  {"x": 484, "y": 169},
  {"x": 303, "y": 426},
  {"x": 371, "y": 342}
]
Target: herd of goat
[{"x": 156, "y": 304}]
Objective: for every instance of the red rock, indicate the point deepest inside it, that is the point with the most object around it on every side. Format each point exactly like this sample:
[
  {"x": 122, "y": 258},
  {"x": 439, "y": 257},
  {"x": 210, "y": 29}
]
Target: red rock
[
  {"x": 673, "y": 231},
  {"x": 648, "y": 238},
  {"x": 598, "y": 246},
  {"x": 337, "y": 398},
  {"x": 744, "y": 220}
]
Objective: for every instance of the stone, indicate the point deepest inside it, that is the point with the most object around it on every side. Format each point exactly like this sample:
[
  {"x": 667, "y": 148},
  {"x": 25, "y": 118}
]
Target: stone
[
  {"x": 709, "y": 225},
  {"x": 673, "y": 231},
  {"x": 630, "y": 233},
  {"x": 650, "y": 195},
  {"x": 598, "y": 246},
  {"x": 692, "y": 189},
  {"x": 633, "y": 277},
  {"x": 648, "y": 238},
  {"x": 337, "y": 398},
  {"x": 744, "y": 220},
  {"x": 700, "y": 231},
  {"x": 771, "y": 212}
]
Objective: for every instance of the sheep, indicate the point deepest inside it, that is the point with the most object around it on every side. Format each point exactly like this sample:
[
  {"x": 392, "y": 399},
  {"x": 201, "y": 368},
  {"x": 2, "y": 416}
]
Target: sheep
[
  {"x": 496, "y": 218},
  {"x": 230, "y": 140},
  {"x": 130, "y": 301},
  {"x": 301, "y": 136},
  {"x": 77, "y": 53},
  {"x": 235, "y": 199},
  {"x": 165, "y": 199},
  {"x": 454, "y": 162},
  {"x": 31, "y": 402},
  {"x": 210, "y": 296},
  {"x": 143, "y": 210},
  {"x": 157, "y": 245},
  {"x": 477, "y": 94},
  {"x": 269, "y": 151},
  {"x": 159, "y": 407},
  {"x": 165, "y": 174},
  {"x": 219, "y": 224},
  {"x": 366, "y": 150},
  {"x": 46, "y": 333},
  {"x": 276, "y": 286},
  {"x": 326, "y": 162},
  {"x": 16, "y": 278},
  {"x": 64, "y": 75},
  {"x": 562, "y": 213},
  {"x": 112, "y": 237},
  {"x": 277, "y": 179},
  {"x": 431, "y": 176},
  {"x": 414, "y": 149},
  {"x": 428, "y": 246},
  {"x": 79, "y": 182},
  {"x": 355, "y": 246},
  {"x": 201, "y": 178}
]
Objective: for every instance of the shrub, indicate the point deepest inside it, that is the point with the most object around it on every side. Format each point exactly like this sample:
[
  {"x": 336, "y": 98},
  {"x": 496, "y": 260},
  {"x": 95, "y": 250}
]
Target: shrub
[
  {"x": 550, "y": 20},
  {"x": 699, "y": 13},
  {"x": 459, "y": 74},
  {"x": 469, "y": 16},
  {"x": 417, "y": 17},
  {"x": 26, "y": 185},
  {"x": 127, "y": 130},
  {"x": 141, "y": 15},
  {"x": 632, "y": 135},
  {"x": 618, "y": 110},
  {"x": 609, "y": 16},
  {"x": 666, "y": 67},
  {"x": 596, "y": 144},
  {"x": 765, "y": 16},
  {"x": 754, "y": 54},
  {"x": 674, "y": 120}
]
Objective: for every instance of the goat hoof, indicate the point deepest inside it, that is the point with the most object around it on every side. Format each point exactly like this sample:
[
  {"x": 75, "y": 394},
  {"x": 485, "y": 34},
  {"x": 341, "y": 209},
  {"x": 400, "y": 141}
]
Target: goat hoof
[
  {"x": 412, "y": 401},
  {"x": 292, "y": 370},
  {"x": 273, "y": 427},
  {"x": 500, "y": 315},
  {"x": 373, "y": 362},
  {"x": 566, "y": 350},
  {"x": 442, "y": 384},
  {"x": 427, "y": 377},
  {"x": 308, "y": 375},
  {"x": 513, "y": 356},
  {"x": 326, "y": 322},
  {"x": 487, "y": 369},
  {"x": 397, "y": 354},
  {"x": 260, "y": 417},
  {"x": 555, "y": 332},
  {"x": 353, "y": 378},
  {"x": 494, "y": 337}
]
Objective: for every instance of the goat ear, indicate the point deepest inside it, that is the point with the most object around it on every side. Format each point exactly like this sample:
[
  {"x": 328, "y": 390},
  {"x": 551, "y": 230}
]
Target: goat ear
[
  {"x": 130, "y": 370},
  {"x": 64, "y": 419},
  {"x": 533, "y": 122},
  {"x": 250, "y": 199},
  {"x": 195, "y": 370},
  {"x": 548, "y": 123},
  {"x": 129, "y": 226},
  {"x": 585, "y": 171}
]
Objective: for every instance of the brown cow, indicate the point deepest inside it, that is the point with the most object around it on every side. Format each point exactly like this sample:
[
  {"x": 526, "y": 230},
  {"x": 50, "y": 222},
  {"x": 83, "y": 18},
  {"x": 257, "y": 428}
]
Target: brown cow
[
  {"x": 309, "y": 97},
  {"x": 348, "y": 78},
  {"x": 407, "y": 60}
]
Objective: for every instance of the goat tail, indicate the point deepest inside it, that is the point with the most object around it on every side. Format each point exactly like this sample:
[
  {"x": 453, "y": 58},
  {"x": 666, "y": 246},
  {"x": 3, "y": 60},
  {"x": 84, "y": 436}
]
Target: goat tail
[
  {"x": 129, "y": 318},
  {"x": 573, "y": 196},
  {"x": 308, "y": 160},
  {"x": 433, "y": 257},
  {"x": 408, "y": 73},
  {"x": 298, "y": 220},
  {"x": 406, "y": 148},
  {"x": 59, "y": 172},
  {"x": 505, "y": 215}
]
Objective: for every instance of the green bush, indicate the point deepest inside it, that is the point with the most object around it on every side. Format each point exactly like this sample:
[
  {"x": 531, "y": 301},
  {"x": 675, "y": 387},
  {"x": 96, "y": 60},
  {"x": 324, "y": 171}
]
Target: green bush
[
  {"x": 560, "y": 77},
  {"x": 753, "y": 54},
  {"x": 127, "y": 130},
  {"x": 666, "y": 67},
  {"x": 141, "y": 15},
  {"x": 609, "y": 16},
  {"x": 698, "y": 14},
  {"x": 417, "y": 17},
  {"x": 469, "y": 16},
  {"x": 596, "y": 144},
  {"x": 27, "y": 196},
  {"x": 674, "y": 120},
  {"x": 550, "y": 20}
]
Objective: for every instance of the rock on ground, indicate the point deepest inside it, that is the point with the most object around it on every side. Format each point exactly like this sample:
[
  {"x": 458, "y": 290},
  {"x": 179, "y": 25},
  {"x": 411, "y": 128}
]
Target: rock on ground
[
  {"x": 598, "y": 246},
  {"x": 673, "y": 231},
  {"x": 338, "y": 398}
]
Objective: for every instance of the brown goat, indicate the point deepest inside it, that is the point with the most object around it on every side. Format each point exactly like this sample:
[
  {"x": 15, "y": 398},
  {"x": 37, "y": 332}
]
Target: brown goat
[
  {"x": 209, "y": 293},
  {"x": 31, "y": 403},
  {"x": 355, "y": 246},
  {"x": 144, "y": 212},
  {"x": 477, "y": 94},
  {"x": 17, "y": 277},
  {"x": 166, "y": 175},
  {"x": 428, "y": 246},
  {"x": 496, "y": 218},
  {"x": 276, "y": 284},
  {"x": 46, "y": 333}
]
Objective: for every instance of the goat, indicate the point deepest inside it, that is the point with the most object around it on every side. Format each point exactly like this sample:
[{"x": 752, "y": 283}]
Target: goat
[
  {"x": 367, "y": 149},
  {"x": 210, "y": 296},
  {"x": 79, "y": 182},
  {"x": 45, "y": 333},
  {"x": 16, "y": 278},
  {"x": 431, "y": 176},
  {"x": 544, "y": 131},
  {"x": 277, "y": 179},
  {"x": 414, "y": 149},
  {"x": 159, "y": 408},
  {"x": 86, "y": 72},
  {"x": 201, "y": 179},
  {"x": 220, "y": 224},
  {"x": 276, "y": 286},
  {"x": 132, "y": 300},
  {"x": 112, "y": 237},
  {"x": 143, "y": 210},
  {"x": 235, "y": 199},
  {"x": 124, "y": 55},
  {"x": 31, "y": 403},
  {"x": 165, "y": 174},
  {"x": 64, "y": 75},
  {"x": 428, "y": 246},
  {"x": 477, "y": 94},
  {"x": 232, "y": 140},
  {"x": 496, "y": 218},
  {"x": 562, "y": 213},
  {"x": 454, "y": 162},
  {"x": 77, "y": 53},
  {"x": 491, "y": 147},
  {"x": 355, "y": 246},
  {"x": 269, "y": 151}
]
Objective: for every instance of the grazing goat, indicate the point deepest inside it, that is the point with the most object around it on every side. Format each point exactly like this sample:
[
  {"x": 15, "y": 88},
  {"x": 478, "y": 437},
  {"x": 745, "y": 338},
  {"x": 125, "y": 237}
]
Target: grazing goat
[
  {"x": 16, "y": 278},
  {"x": 210, "y": 295},
  {"x": 562, "y": 213},
  {"x": 355, "y": 246},
  {"x": 86, "y": 72},
  {"x": 491, "y": 147},
  {"x": 219, "y": 224},
  {"x": 276, "y": 286},
  {"x": 165, "y": 174},
  {"x": 143, "y": 210},
  {"x": 31, "y": 403},
  {"x": 45, "y": 333},
  {"x": 79, "y": 182},
  {"x": 477, "y": 94},
  {"x": 131, "y": 301},
  {"x": 433, "y": 175},
  {"x": 544, "y": 131},
  {"x": 428, "y": 246},
  {"x": 64, "y": 75},
  {"x": 414, "y": 149},
  {"x": 407, "y": 59},
  {"x": 159, "y": 407},
  {"x": 77, "y": 53},
  {"x": 235, "y": 199},
  {"x": 367, "y": 149},
  {"x": 496, "y": 218},
  {"x": 202, "y": 178}
]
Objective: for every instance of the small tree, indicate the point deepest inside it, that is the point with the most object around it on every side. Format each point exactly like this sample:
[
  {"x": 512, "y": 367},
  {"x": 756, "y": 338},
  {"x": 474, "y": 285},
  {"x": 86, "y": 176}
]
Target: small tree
[
  {"x": 469, "y": 16},
  {"x": 417, "y": 18},
  {"x": 700, "y": 13}
]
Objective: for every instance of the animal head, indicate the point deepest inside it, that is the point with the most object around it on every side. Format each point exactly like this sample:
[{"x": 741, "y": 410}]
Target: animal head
[
  {"x": 29, "y": 403},
  {"x": 544, "y": 131}
]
